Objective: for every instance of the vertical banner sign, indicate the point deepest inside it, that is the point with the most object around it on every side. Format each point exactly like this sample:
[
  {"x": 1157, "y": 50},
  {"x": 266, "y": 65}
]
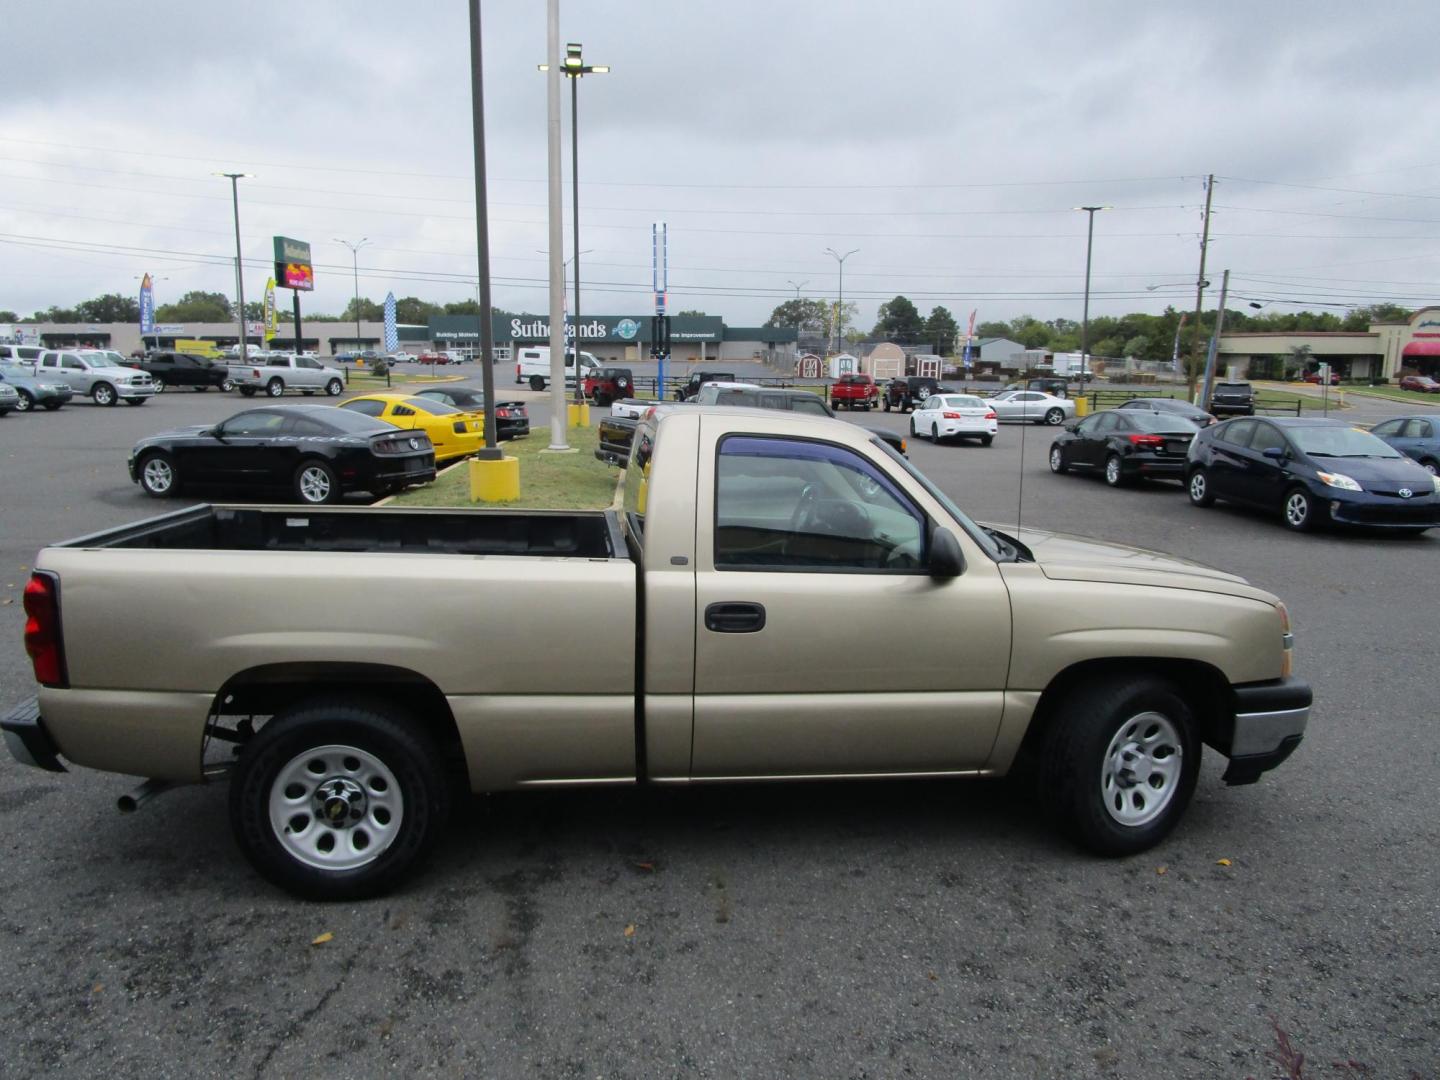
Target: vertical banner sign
[
  {"x": 147, "y": 306},
  {"x": 1175, "y": 352},
  {"x": 970, "y": 335},
  {"x": 660, "y": 281},
  {"x": 392, "y": 335},
  {"x": 270, "y": 319}
]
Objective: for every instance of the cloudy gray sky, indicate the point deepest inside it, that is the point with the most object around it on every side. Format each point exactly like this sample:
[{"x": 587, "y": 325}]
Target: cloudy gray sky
[{"x": 946, "y": 141}]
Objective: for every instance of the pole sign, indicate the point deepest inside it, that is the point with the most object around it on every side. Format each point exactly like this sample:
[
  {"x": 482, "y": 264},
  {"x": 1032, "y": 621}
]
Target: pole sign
[
  {"x": 392, "y": 332},
  {"x": 147, "y": 306},
  {"x": 293, "y": 266}
]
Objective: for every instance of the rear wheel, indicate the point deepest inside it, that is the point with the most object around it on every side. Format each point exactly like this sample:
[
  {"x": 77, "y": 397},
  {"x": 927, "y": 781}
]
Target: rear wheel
[
  {"x": 275, "y": 387},
  {"x": 935, "y": 434},
  {"x": 914, "y": 434},
  {"x": 1055, "y": 416},
  {"x": 338, "y": 799},
  {"x": 887, "y": 404},
  {"x": 247, "y": 391},
  {"x": 103, "y": 394},
  {"x": 986, "y": 440},
  {"x": 1119, "y": 764},
  {"x": 1114, "y": 473},
  {"x": 537, "y": 383},
  {"x": 158, "y": 476},
  {"x": 158, "y": 383},
  {"x": 316, "y": 483},
  {"x": 1199, "y": 489}
]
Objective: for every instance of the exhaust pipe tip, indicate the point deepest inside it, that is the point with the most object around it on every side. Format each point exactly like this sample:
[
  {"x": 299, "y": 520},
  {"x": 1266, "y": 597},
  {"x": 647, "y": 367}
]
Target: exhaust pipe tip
[{"x": 133, "y": 800}]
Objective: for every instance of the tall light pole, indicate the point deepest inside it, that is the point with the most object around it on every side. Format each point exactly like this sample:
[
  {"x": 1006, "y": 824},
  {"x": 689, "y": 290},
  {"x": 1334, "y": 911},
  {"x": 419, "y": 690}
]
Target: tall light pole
[
  {"x": 1085, "y": 319},
  {"x": 354, "y": 247},
  {"x": 235, "y": 178},
  {"x": 491, "y": 450},
  {"x": 797, "y": 287},
  {"x": 574, "y": 68},
  {"x": 559, "y": 427},
  {"x": 840, "y": 304}
]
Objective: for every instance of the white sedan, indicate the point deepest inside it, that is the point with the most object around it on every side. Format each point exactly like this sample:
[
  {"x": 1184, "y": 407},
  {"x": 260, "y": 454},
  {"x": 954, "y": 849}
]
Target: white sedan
[
  {"x": 1032, "y": 406},
  {"x": 945, "y": 416}
]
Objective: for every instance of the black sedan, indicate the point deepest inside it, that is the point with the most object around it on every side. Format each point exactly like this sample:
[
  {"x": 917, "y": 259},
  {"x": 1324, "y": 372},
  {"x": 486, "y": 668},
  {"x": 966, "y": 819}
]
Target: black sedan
[
  {"x": 1125, "y": 446},
  {"x": 1313, "y": 473},
  {"x": 316, "y": 452},
  {"x": 1171, "y": 407},
  {"x": 179, "y": 369},
  {"x": 511, "y": 419}
]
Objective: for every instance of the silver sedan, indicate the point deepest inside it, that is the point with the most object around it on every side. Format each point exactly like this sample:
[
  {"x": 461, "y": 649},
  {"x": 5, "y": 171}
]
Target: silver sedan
[{"x": 1031, "y": 406}]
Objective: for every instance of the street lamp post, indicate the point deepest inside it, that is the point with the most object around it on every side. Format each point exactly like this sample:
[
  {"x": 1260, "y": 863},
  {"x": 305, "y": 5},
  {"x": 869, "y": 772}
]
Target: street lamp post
[
  {"x": 354, "y": 247},
  {"x": 235, "y": 178},
  {"x": 1085, "y": 318},
  {"x": 840, "y": 304},
  {"x": 797, "y": 287}
]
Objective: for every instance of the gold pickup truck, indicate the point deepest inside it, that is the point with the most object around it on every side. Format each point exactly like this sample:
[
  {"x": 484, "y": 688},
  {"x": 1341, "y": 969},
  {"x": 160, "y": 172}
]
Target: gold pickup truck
[{"x": 781, "y": 597}]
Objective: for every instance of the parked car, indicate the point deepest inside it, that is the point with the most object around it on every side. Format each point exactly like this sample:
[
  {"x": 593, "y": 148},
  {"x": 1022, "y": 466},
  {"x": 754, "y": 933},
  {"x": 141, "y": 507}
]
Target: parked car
[
  {"x": 455, "y": 433},
  {"x": 354, "y": 667},
  {"x": 97, "y": 375},
  {"x": 748, "y": 395},
  {"x": 710, "y": 392},
  {"x": 1423, "y": 383},
  {"x": 604, "y": 385},
  {"x": 700, "y": 378},
  {"x": 1312, "y": 473},
  {"x": 286, "y": 371},
  {"x": 1416, "y": 437},
  {"x": 512, "y": 419},
  {"x": 1125, "y": 446},
  {"x": 9, "y": 398},
  {"x": 1313, "y": 377},
  {"x": 959, "y": 416},
  {"x": 34, "y": 390},
  {"x": 316, "y": 452},
  {"x": 854, "y": 390},
  {"x": 1171, "y": 407},
  {"x": 179, "y": 369},
  {"x": 25, "y": 355},
  {"x": 532, "y": 365},
  {"x": 1232, "y": 399},
  {"x": 908, "y": 391},
  {"x": 1032, "y": 407}
]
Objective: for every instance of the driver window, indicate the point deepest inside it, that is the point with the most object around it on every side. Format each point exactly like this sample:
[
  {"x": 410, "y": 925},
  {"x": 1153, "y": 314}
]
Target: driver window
[
  {"x": 256, "y": 423},
  {"x": 791, "y": 504},
  {"x": 1106, "y": 422},
  {"x": 1266, "y": 438}
]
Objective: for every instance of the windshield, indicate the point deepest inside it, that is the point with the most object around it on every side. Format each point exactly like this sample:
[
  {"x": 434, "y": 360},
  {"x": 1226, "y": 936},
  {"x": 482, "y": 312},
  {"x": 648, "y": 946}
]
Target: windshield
[
  {"x": 1340, "y": 442},
  {"x": 105, "y": 359},
  {"x": 435, "y": 408},
  {"x": 976, "y": 533}
]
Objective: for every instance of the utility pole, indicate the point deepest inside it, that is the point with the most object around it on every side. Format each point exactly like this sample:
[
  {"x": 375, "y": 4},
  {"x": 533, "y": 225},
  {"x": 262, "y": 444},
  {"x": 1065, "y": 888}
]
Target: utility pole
[
  {"x": 559, "y": 410},
  {"x": 1200, "y": 285},
  {"x": 235, "y": 178},
  {"x": 1215, "y": 341},
  {"x": 492, "y": 451}
]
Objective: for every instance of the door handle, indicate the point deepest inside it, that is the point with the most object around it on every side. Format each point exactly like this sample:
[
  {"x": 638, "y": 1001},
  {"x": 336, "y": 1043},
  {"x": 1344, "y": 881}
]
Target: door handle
[{"x": 735, "y": 618}]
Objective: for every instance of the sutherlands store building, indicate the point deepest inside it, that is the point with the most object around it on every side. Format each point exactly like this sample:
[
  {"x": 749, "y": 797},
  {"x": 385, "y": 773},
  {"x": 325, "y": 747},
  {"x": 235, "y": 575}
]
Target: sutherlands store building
[{"x": 1383, "y": 353}]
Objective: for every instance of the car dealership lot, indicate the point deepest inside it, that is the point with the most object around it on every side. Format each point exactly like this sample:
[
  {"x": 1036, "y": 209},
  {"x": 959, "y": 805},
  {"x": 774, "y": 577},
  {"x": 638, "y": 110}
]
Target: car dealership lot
[{"x": 806, "y": 930}]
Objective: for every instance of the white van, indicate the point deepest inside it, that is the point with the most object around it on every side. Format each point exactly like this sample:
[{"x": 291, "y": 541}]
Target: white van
[{"x": 533, "y": 366}]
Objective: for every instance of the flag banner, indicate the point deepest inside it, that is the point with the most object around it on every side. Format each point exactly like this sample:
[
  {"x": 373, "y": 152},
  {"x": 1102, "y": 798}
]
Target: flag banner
[
  {"x": 269, "y": 320},
  {"x": 147, "y": 306},
  {"x": 392, "y": 335}
]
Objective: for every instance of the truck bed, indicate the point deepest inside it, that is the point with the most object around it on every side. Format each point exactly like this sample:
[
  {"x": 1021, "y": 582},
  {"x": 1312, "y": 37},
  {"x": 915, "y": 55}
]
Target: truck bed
[{"x": 576, "y": 534}]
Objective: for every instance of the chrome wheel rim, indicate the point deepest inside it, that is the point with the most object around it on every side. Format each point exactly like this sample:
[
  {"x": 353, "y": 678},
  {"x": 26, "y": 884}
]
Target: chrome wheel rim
[
  {"x": 1297, "y": 509},
  {"x": 1141, "y": 770},
  {"x": 275, "y": 389},
  {"x": 159, "y": 476},
  {"x": 227, "y": 385},
  {"x": 24, "y": 404},
  {"x": 159, "y": 385},
  {"x": 1197, "y": 487},
  {"x": 104, "y": 395},
  {"x": 1055, "y": 459},
  {"x": 333, "y": 387},
  {"x": 1054, "y": 416},
  {"x": 314, "y": 484},
  {"x": 336, "y": 807},
  {"x": 1112, "y": 471}
]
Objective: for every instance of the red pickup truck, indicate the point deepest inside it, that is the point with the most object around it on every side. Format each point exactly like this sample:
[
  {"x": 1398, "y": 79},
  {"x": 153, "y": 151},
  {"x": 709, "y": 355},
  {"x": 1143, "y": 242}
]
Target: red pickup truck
[{"x": 854, "y": 390}]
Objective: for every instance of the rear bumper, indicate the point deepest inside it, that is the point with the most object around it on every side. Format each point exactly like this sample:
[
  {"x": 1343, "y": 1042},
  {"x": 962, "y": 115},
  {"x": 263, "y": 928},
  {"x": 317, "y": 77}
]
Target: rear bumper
[
  {"x": 512, "y": 428},
  {"x": 26, "y": 738},
  {"x": 1268, "y": 724},
  {"x": 1149, "y": 465}
]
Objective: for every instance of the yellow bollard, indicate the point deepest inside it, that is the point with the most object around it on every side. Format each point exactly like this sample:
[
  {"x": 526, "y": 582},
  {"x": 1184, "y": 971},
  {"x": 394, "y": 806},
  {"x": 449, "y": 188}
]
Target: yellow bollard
[
  {"x": 494, "y": 480},
  {"x": 1082, "y": 406},
  {"x": 579, "y": 414}
]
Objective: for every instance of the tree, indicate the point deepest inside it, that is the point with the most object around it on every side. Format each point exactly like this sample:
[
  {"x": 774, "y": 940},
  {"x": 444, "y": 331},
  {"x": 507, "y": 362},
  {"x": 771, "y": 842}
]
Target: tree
[
  {"x": 463, "y": 307},
  {"x": 196, "y": 306},
  {"x": 803, "y": 314},
  {"x": 56, "y": 314},
  {"x": 1361, "y": 318},
  {"x": 110, "y": 308},
  {"x": 414, "y": 310},
  {"x": 1138, "y": 347},
  {"x": 992, "y": 330},
  {"x": 255, "y": 309},
  {"x": 899, "y": 321},
  {"x": 9, "y": 316},
  {"x": 369, "y": 310},
  {"x": 942, "y": 330},
  {"x": 690, "y": 314},
  {"x": 1030, "y": 332},
  {"x": 1296, "y": 360}
]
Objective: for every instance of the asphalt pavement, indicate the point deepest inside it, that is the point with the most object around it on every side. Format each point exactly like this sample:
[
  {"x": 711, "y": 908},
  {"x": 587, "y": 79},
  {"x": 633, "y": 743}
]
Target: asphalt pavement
[{"x": 861, "y": 930}]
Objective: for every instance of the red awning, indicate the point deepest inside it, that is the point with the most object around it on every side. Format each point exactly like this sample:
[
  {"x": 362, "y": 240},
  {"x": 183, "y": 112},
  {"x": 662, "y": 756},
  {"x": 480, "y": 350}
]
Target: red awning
[{"x": 1422, "y": 348}]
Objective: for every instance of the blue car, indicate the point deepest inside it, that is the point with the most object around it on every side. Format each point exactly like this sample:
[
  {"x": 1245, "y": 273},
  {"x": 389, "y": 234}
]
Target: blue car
[
  {"x": 1312, "y": 473},
  {"x": 1417, "y": 437},
  {"x": 33, "y": 390}
]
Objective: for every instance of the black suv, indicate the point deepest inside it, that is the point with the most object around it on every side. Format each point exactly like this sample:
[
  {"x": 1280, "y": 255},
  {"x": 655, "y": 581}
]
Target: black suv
[
  {"x": 1232, "y": 399},
  {"x": 180, "y": 369},
  {"x": 908, "y": 392},
  {"x": 698, "y": 378}
]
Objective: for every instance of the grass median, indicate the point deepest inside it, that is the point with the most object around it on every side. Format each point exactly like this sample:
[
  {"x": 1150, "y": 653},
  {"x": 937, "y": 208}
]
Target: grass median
[
  {"x": 1394, "y": 393},
  {"x": 577, "y": 481}
]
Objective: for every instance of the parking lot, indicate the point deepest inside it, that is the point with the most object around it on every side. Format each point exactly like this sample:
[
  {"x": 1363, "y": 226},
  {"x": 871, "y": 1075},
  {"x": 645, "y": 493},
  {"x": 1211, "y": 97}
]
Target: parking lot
[{"x": 928, "y": 928}]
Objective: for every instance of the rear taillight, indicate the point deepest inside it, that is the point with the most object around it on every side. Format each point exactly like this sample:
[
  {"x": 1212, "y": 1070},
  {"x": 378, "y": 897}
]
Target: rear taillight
[
  {"x": 517, "y": 372},
  {"x": 42, "y": 629},
  {"x": 990, "y": 415},
  {"x": 504, "y": 414},
  {"x": 1149, "y": 442},
  {"x": 950, "y": 416}
]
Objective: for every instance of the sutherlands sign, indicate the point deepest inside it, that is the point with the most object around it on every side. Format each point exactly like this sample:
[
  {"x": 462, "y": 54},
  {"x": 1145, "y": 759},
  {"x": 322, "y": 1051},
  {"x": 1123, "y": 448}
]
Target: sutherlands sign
[
  {"x": 608, "y": 329},
  {"x": 293, "y": 268}
]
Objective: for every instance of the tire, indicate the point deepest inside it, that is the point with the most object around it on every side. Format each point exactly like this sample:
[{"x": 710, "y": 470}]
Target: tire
[
  {"x": 537, "y": 383},
  {"x": 887, "y": 404},
  {"x": 136, "y": 400},
  {"x": 914, "y": 434},
  {"x": 1057, "y": 461},
  {"x": 376, "y": 776},
  {"x": 1115, "y": 471},
  {"x": 1430, "y": 465},
  {"x": 1107, "y": 727},
  {"x": 986, "y": 440},
  {"x": 1299, "y": 511},
  {"x": 51, "y": 406},
  {"x": 1055, "y": 417},
  {"x": 1198, "y": 488},
  {"x": 158, "y": 476},
  {"x": 227, "y": 386},
  {"x": 274, "y": 388},
  {"x": 247, "y": 391},
  {"x": 103, "y": 394},
  {"x": 316, "y": 483},
  {"x": 25, "y": 403},
  {"x": 159, "y": 384},
  {"x": 935, "y": 434}
]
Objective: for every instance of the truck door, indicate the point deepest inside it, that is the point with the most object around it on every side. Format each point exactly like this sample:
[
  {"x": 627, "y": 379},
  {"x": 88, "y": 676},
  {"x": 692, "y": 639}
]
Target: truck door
[{"x": 822, "y": 644}]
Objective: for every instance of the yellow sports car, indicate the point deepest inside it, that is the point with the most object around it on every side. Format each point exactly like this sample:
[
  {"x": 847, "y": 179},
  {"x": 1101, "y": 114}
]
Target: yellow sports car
[{"x": 455, "y": 433}]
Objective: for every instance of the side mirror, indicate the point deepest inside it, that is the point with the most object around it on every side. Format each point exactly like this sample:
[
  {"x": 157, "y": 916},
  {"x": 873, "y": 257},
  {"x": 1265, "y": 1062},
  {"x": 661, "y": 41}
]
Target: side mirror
[
  {"x": 1274, "y": 453},
  {"x": 1072, "y": 425},
  {"x": 946, "y": 559}
]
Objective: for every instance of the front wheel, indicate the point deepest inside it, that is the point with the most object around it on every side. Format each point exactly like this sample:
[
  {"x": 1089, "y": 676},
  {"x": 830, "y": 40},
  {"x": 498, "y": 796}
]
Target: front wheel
[
  {"x": 337, "y": 799},
  {"x": 1199, "y": 489},
  {"x": 103, "y": 394},
  {"x": 316, "y": 484},
  {"x": 1300, "y": 512},
  {"x": 1119, "y": 763},
  {"x": 1057, "y": 460},
  {"x": 275, "y": 388},
  {"x": 158, "y": 476},
  {"x": 1430, "y": 466},
  {"x": 24, "y": 403},
  {"x": 333, "y": 387}
]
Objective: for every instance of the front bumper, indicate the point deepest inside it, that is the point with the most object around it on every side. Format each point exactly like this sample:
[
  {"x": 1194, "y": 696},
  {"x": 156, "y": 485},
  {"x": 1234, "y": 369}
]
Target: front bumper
[
  {"x": 1371, "y": 511},
  {"x": 1268, "y": 724},
  {"x": 26, "y": 738},
  {"x": 132, "y": 390}
]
